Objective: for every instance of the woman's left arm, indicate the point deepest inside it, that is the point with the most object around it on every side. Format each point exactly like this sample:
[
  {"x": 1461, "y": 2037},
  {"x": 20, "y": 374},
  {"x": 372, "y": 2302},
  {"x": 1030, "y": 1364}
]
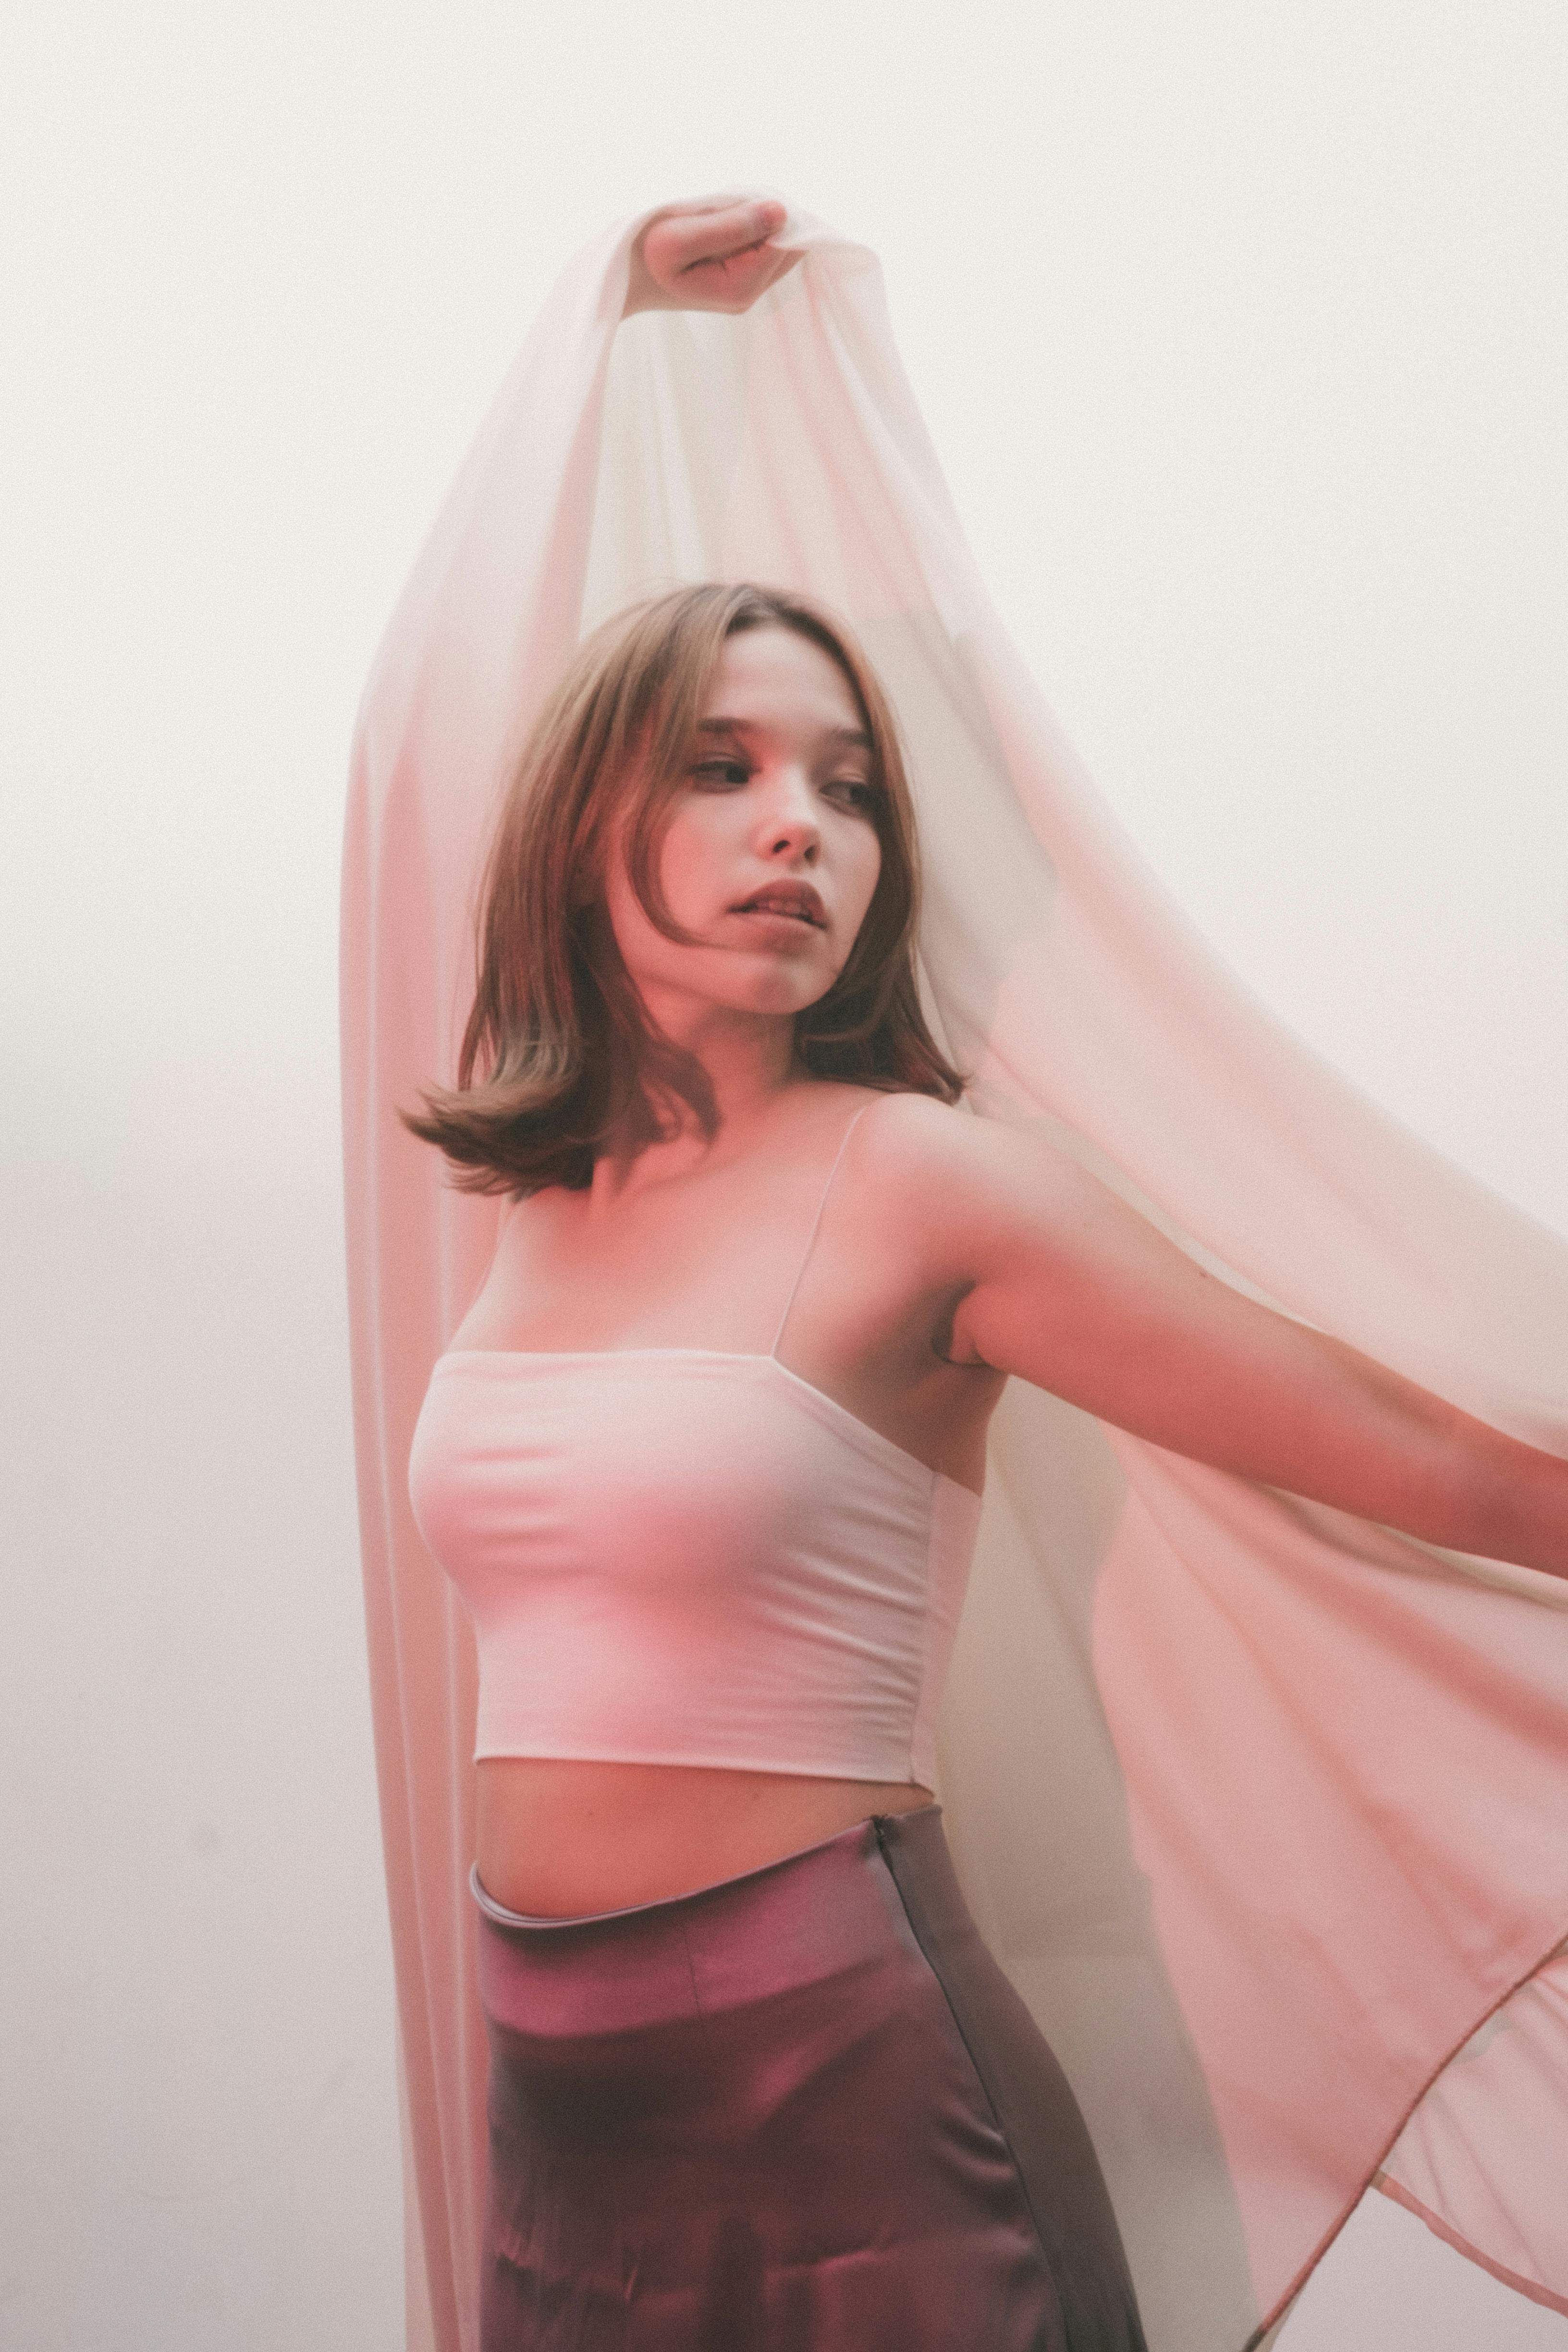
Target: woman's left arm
[{"x": 1064, "y": 1285}]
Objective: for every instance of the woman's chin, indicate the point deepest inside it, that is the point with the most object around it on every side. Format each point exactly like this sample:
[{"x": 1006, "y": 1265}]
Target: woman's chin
[
  {"x": 783, "y": 1003},
  {"x": 773, "y": 988},
  {"x": 783, "y": 985}
]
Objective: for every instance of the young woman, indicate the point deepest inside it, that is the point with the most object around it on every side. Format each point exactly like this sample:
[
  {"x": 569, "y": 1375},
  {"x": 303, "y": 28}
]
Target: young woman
[{"x": 704, "y": 1456}]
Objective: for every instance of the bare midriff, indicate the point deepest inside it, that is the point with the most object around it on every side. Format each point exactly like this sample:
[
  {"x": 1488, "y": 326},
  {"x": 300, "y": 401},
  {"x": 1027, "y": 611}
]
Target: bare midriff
[{"x": 560, "y": 1839}]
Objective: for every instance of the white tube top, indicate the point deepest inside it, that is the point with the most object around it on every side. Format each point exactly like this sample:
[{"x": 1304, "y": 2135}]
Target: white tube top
[{"x": 678, "y": 1557}]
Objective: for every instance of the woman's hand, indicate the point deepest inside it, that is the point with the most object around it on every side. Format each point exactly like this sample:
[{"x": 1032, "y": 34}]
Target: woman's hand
[{"x": 710, "y": 254}]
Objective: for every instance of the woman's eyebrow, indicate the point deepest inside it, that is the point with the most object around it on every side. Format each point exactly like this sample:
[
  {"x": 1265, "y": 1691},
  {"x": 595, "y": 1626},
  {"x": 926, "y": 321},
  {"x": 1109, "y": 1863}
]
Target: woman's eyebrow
[{"x": 739, "y": 728}]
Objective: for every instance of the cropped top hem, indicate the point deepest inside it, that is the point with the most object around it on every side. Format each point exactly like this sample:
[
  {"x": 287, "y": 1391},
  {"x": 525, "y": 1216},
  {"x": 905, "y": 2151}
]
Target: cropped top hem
[{"x": 779, "y": 1768}]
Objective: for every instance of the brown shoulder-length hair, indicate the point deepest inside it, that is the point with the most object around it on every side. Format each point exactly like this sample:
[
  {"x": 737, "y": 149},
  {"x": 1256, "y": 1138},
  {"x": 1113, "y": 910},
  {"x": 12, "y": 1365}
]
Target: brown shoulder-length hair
[{"x": 558, "y": 1053}]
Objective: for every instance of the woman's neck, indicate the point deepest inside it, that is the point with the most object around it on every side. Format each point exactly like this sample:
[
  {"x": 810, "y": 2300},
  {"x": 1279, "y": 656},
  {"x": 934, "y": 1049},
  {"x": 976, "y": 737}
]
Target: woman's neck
[{"x": 712, "y": 1111}]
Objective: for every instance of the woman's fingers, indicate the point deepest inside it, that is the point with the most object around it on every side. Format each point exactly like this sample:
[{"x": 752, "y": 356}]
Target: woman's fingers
[
  {"x": 711, "y": 254},
  {"x": 686, "y": 240}
]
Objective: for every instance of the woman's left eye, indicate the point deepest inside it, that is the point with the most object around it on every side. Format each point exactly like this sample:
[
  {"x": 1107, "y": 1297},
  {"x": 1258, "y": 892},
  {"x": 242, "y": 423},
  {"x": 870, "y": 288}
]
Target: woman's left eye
[{"x": 857, "y": 792}]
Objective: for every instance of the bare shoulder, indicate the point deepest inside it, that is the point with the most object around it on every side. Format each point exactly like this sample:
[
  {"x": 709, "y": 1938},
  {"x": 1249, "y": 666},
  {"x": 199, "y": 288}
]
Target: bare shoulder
[
  {"x": 967, "y": 1193},
  {"x": 945, "y": 1156},
  {"x": 913, "y": 1140}
]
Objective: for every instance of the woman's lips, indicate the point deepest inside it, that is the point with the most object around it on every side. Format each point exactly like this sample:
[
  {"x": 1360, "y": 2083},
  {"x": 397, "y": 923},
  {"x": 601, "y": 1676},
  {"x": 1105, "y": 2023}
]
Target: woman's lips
[
  {"x": 785, "y": 928},
  {"x": 794, "y": 902}
]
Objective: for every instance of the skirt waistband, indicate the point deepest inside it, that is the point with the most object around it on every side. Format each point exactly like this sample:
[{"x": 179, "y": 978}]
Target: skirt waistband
[
  {"x": 855, "y": 1834},
  {"x": 798, "y": 1921}
]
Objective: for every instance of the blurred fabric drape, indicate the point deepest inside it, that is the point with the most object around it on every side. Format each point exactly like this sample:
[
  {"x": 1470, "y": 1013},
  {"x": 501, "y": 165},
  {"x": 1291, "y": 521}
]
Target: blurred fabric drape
[{"x": 1261, "y": 1806}]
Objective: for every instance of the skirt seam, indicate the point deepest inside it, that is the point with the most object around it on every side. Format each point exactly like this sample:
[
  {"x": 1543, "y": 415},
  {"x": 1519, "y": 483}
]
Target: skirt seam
[{"x": 974, "y": 2062}]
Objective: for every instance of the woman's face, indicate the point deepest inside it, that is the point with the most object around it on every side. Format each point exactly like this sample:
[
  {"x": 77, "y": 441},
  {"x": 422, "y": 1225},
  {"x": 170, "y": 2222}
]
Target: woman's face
[{"x": 771, "y": 853}]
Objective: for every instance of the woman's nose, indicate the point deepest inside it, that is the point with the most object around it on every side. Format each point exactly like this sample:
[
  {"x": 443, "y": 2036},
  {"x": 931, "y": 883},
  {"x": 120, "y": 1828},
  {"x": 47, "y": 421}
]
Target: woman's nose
[{"x": 788, "y": 820}]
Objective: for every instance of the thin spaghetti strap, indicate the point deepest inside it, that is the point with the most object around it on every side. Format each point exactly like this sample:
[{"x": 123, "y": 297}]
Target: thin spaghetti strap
[{"x": 811, "y": 1237}]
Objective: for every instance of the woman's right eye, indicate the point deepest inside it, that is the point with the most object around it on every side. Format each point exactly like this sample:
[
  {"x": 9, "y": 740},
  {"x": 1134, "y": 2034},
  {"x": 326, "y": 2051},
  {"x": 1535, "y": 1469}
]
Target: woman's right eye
[{"x": 724, "y": 774}]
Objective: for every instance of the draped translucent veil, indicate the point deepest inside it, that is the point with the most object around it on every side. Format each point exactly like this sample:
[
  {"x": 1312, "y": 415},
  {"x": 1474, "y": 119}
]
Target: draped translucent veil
[{"x": 1261, "y": 1806}]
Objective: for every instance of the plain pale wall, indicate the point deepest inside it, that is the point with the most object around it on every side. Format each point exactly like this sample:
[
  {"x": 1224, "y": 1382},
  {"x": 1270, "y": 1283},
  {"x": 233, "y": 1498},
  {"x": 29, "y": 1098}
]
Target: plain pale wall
[{"x": 1240, "y": 330}]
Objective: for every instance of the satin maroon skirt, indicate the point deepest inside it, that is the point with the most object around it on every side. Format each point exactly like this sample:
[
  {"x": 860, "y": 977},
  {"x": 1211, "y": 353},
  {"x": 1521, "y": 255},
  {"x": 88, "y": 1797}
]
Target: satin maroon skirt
[{"x": 801, "y": 2111}]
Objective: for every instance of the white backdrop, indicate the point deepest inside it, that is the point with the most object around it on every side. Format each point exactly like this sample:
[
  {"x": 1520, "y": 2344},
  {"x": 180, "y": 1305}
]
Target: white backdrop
[{"x": 1241, "y": 332}]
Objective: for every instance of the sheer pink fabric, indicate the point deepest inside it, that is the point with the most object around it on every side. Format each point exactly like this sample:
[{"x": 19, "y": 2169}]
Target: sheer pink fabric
[{"x": 1261, "y": 1806}]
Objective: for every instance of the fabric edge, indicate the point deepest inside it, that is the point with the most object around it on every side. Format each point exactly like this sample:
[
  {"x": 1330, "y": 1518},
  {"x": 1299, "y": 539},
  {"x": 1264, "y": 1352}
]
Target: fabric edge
[
  {"x": 1377, "y": 2178},
  {"x": 1398, "y": 2194}
]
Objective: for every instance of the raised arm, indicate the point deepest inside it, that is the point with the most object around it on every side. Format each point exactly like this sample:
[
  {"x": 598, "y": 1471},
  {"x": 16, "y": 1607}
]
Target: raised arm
[{"x": 1061, "y": 1282}]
